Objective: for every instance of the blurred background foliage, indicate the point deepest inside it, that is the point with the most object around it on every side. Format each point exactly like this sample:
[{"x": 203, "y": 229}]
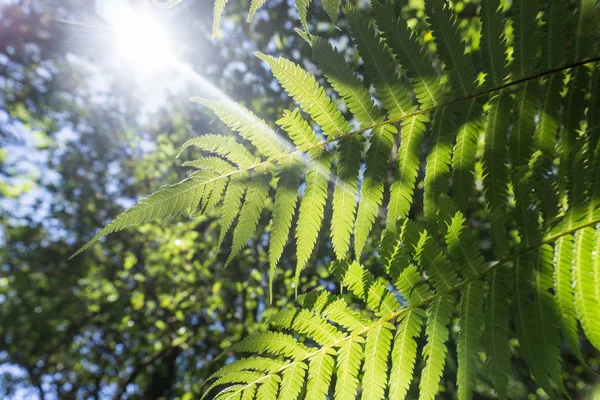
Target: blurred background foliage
[{"x": 147, "y": 313}]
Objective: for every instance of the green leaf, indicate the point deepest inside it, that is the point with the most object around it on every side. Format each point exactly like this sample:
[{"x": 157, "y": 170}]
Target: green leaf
[
  {"x": 371, "y": 192},
  {"x": 380, "y": 65},
  {"x": 588, "y": 310},
  {"x": 258, "y": 190},
  {"x": 320, "y": 369},
  {"x": 377, "y": 353},
  {"x": 409, "y": 53},
  {"x": 254, "y": 6},
  {"x": 303, "y": 136},
  {"x": 496, "y": 337},
  {"x": 292, "y": 381},
  {"x": 439, "y": 314},
  {"x": 492, "y": 50},
  {"x": 283, "y": 212},
  {"x": 564, "y": 295},
  {"x": 450, "y": 48},
  {"x": 436, "y": 264},
  {"x": 302, "y": 7},
  {"x": 526, "y": 41},
  {"x": 218, "y": 11},
  {"x": 525, "y": 110},
  {"x": 169, "y": 201},
  {"x": 348, "y": 360},
  {"x": 495, "y": 179},
  {"x": 470, "y": 324},
  {"x": 312, "y": 206},
  {"x": 275, "y": 343},
  {"x": 464, "y": 153},
  {"x": 305, "y": 90},
  {"x": 248, "y": 125},
  {"x": 403, "y": 186},
  {"x": 268, "y": 388},
  {"x": 332, "y": 8},
  {"x": 404, "y": 353},
  {"x": 344, "y": 196},
  {"x": 232, "y": 203},
  {"x": 437, "y": 170}
]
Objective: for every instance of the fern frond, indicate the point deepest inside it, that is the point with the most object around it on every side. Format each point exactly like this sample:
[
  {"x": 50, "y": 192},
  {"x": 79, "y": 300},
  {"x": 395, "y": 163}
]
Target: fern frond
[
  {"x": 243, "y": 377},
  {"x": 573, "y": 113},
  {"x": 306, "y": 322},
  {"x": 409, "y": 54},
  {"x": 305, "y": 90},
  {"x": 439, "y": 314},
  {"x": 224, "y": 146},
  {"x": 320, "y": 369},
  {"x": 463, "y": 155},
  {"x": 564, "y": 296},
  {"x": 395, "y": 247},
  {"x": 349, "y": 86},
  {"x": 283, "y": 213},
  {"x": 371, "y": 191},
  {"x": 212, "y": 164},
  {"x": 596, "y": 274},
  {"x": 263, "y": 364},
  {"x": 269, "y": 388},
  {"x": 312, "y": 206},
  {"x": 492, "y": 51},
  {"x": 521, "y": 139},
  {"x": 459, "y": 67},
  {"x": 258, "y": 190},
  {"x": 462, "y": 247},
  {"x": 356, "y": 96},
  {"x": 437, "y": 170},
  {"x": 526, "y": 41},
  {"x": 402, "y": 189},
  {"x": 586, "y": 28},
  {"x": 583, "y": 273},
  {"x": 377, "y": 353},
  {"x": 248, "y": 125},
  {"x": 404, "y": 354},
  {"x": 495, "y": 179},
  {"x": 275, "y": 343},
  {"x": 412, "y": 287},
  {"x": 470, "y": 324},
  {"x": 254, "y": 6},
  {"x": 344, "y": 196},
  {"x": 301, "y": 133},
  {"x": 219, "y": 7},
  {"x": 536, "y": 330},
  {"x": 348, "y": 361},
  {"x": 340, "y": 350},
  {"x": 332, "y": 7},
  {"x": 292, "y": 381},
  {"x": 436, "y": 264},
  {"x": 302, "y": 7},
  {"x": 496, "y": 339},
  {"x": 169, "y": 201},
  {"x": 379, "y": 65},
  {"x": 547, "y": 129},
  {"x": 233, "y": 199},
  {"x": 339, "y": 313},
  {"x": 554, "y": 34}
]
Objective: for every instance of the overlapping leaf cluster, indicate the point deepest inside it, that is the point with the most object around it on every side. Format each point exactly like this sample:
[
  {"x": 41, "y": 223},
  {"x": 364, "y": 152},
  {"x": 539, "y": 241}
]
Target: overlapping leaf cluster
[
  {"x": 324, "y": 347},
  {"x": 533, "y": 116}
]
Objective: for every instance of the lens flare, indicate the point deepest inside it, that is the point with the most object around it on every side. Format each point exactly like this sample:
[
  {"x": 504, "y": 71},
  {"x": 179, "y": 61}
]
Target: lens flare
[{"x": 141, "y": 41}]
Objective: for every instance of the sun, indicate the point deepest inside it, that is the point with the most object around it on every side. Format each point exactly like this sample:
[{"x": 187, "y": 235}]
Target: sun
[{"x": 140, "y": 40}]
